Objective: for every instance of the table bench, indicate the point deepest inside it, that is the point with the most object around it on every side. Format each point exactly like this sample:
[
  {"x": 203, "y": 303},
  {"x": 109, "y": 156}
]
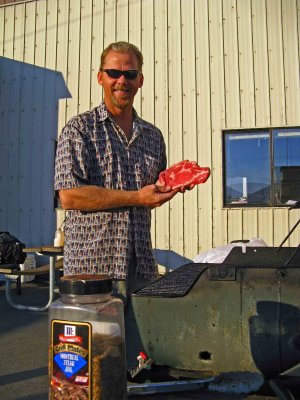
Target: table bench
[{"x": 12, "y": 271}]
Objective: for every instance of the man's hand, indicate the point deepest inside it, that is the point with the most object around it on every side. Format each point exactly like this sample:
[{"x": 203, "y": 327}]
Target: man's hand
[
  {"x": 184, "y": 188},
  {"x": 155, "y": 196}
]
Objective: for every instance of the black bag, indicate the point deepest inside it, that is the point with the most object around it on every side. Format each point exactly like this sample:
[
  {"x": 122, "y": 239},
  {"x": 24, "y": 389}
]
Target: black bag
[{"x": 11, "y": 249}]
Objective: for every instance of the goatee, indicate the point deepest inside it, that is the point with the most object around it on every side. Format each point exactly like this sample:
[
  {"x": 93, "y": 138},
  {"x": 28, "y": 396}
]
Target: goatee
[{"x": 120, "y": 103}]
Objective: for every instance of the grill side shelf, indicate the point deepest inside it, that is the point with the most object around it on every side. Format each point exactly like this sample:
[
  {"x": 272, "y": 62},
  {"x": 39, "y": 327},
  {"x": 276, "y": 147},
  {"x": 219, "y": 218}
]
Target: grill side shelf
[{"x": 175, "y": 284}]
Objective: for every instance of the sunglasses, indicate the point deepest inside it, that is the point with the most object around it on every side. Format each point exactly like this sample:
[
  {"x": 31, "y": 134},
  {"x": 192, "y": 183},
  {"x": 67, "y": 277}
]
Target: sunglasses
[{"x": 117, "y": 73}]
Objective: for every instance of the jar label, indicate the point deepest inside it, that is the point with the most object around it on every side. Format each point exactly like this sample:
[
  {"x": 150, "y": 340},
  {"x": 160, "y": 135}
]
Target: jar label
[{"x": 70, "y": 361}]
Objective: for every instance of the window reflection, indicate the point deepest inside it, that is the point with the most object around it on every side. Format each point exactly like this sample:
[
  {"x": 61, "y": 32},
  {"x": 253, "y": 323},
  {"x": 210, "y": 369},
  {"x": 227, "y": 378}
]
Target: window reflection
[
  {"x": 262, "y": 167},
  {"x": 286, "y": 168},
  {"x": 247, "y": 168}
]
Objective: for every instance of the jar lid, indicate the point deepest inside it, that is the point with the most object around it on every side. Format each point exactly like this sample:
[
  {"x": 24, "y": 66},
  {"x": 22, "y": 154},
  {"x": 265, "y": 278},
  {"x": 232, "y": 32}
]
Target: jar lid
[{"x": 82, "y": 284}]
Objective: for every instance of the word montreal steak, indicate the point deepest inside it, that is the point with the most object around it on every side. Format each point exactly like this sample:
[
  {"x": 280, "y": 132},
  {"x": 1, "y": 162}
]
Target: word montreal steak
[{"x": 183, "y": 173}]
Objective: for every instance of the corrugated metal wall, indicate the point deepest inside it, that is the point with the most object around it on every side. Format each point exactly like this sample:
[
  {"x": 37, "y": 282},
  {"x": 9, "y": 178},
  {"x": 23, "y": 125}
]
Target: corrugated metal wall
[{"x": 209, "y": 65}]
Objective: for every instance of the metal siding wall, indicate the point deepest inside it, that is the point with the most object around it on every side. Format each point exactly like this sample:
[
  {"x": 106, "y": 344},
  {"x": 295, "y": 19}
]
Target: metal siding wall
[
  {"x": 175, "y": 152},
  {"x": 209, "y": 65},
  {"x": 2, "y": 30},
  {"x": 262, "y": 96},
  {"x": 53, "y": 87},
  {"x": 97, "y": 45},
  {"x": 38, "y": 143},
  {"x": 28, "y": 67},
  {"x": 9, "y": 139},
  {"x": 85, "y": 56},
  {"x": 26, "y": 221},
  {"x": 19, "y": 32},
  {"x": 260, "y": 58},
  {"x": 110, "y": 26},
  {"x": 218, "y": 118},
  {"x": 232, "y": 97},
  {"x": 147, "y": 48},
  {"x": 135, "y": 28},
  {"x": 250, "y": 223},
  {"x": 73, "y": 58},
  {"x": 275, "y": 61},
  {"x": 189, "y": 123},
  {"x": 245, "y": 60},
  {"x": 23, "y": 215},
  {"x": 291, "y": 61},
  {"x": 231, "y": 64},
  {"x": 4, "y": 95},
  {"x": 148, "y": 90},
  {"x": 62, "y": 51},
  {"x": 135, "y": 22},
  {"x": 203, "y": 116},
  {"x": 161, "y": 112},
  {"x": 122, "y": 20}
]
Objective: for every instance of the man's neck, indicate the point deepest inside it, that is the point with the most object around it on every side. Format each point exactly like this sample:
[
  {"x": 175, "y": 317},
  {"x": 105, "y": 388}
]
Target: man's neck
[
  {"x": 125, "y": 124},
  {"x": 123, "y": 118}
]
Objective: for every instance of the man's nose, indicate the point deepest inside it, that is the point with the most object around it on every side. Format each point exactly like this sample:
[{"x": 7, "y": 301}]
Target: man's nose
[{"x": 121, "y": 79}]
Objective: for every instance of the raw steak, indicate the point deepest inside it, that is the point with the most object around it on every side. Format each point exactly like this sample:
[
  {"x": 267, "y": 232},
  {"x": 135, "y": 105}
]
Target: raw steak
[{"x": 184, "y": 174}]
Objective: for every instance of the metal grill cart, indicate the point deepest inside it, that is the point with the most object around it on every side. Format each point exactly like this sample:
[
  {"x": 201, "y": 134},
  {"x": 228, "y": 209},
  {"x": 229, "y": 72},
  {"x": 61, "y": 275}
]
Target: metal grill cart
[{"x": 241, "y": 315}]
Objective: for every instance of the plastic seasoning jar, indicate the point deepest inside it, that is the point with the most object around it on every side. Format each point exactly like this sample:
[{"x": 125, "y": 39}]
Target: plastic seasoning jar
[
  {"x": 87, "y": 347},
  {"x": 59, "y": 238}
]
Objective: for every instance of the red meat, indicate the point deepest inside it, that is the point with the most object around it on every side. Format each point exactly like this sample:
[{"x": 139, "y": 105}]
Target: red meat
[{"x": 184, "y": 173}]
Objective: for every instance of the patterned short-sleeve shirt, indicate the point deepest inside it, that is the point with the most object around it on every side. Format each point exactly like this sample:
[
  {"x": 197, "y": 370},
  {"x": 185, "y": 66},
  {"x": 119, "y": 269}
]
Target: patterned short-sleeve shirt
[{"x": 92, "y": 150}]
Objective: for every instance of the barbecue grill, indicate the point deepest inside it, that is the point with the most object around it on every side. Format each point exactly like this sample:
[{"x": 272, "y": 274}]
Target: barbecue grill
[{"x": 241, "y": 315}]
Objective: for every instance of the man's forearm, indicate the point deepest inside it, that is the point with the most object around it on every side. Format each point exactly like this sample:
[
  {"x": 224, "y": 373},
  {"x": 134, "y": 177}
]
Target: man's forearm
[{"x": 95, "y": 198}]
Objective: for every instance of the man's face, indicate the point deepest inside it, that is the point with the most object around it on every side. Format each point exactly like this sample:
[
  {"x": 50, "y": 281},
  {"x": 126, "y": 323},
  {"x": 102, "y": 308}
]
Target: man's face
[{"x": 119, "y": 92}]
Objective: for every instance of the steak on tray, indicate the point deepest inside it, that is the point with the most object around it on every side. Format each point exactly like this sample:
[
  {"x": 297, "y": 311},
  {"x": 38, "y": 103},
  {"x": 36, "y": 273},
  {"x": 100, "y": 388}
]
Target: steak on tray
[{"x": 183, "y": 173}]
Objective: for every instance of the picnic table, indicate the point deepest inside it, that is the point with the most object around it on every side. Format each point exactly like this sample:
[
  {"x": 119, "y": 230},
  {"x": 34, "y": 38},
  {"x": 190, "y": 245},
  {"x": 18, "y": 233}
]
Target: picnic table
[{"x": 13, "y": 271}]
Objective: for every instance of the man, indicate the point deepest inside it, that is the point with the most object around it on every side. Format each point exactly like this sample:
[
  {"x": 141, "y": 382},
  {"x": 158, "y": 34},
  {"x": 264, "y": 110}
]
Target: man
[{"x": 107, "y": 163}]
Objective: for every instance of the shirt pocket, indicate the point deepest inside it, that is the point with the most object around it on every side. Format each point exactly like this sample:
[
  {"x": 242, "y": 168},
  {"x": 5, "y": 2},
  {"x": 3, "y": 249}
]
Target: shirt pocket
[{"x": 149, "y": 169}]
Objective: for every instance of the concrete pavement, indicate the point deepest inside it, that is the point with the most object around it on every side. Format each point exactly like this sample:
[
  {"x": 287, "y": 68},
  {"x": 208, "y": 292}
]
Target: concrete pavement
[{"x": 23, "y": 343}]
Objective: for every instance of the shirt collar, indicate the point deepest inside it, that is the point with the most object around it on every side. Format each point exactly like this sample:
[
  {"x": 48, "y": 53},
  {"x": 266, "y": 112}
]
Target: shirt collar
[
  {"x": 138, "y": 123},
  {"x": 104, "y": 113}
]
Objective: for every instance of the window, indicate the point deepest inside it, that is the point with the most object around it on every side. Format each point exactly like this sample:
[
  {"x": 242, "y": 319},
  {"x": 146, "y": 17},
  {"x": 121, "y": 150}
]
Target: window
[{"x": 262, "y": 167}]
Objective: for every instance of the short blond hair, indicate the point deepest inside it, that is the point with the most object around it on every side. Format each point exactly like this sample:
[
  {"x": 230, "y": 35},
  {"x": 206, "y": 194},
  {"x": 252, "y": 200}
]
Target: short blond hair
[{"x": 123, "y": 47}]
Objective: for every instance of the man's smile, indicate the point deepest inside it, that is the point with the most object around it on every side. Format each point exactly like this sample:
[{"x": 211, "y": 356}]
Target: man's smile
[{"x": 121, "y": 90}]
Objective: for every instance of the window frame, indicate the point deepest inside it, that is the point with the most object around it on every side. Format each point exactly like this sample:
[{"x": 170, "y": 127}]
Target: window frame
[{"x": 270, "y": 131}]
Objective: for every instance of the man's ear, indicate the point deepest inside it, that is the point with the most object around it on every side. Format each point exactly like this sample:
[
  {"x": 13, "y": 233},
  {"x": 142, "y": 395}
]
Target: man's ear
[
  {"x": 99, "y": 77},
  {"x": 141, "y": 77}
]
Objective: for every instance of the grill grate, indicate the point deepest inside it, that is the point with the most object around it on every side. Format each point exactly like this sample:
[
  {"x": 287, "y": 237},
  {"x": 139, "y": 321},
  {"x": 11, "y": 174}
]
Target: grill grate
[{"x": 175, "y": 284}]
